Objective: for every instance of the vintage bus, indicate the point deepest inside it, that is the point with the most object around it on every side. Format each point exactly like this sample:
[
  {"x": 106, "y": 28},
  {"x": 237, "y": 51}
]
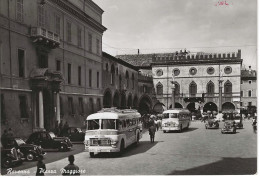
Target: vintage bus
[
  {"x": 176, "y": 119},
  {"x": 112, "y": 130}
]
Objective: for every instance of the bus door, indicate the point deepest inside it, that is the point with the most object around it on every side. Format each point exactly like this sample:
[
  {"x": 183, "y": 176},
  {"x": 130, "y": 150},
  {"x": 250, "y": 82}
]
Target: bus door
[{"x": 130, "y": 132}]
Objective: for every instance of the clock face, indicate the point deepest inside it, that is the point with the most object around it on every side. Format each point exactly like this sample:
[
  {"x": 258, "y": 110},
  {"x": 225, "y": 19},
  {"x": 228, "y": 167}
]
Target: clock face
[
  {"x": 159, "y": 72},
  {"x": 193, "y": 71}
]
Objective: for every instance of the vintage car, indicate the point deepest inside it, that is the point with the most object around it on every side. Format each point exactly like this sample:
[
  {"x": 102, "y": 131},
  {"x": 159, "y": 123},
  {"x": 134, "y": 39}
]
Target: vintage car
[
  {"x": 234, "y": 116},
  {"x": 75, "y": 134},
  {"x": 211, "y": 123},
  {"x": 10, "y": 157},
  {"x": 30, "y": 152},
  {"x": 48, "y": 141},
  {"x": 239, "y": 121},
  {"x": 229, "y": 127}
]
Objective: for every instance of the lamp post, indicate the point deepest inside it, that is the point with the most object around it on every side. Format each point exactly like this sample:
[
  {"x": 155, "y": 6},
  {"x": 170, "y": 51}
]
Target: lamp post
[
  {"x": 220, "y": 95},
  {"x": 173, "y": 91}
]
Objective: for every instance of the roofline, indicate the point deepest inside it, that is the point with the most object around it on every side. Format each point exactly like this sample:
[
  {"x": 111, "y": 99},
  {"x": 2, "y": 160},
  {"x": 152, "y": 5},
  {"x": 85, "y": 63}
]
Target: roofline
[
  {"x": 96, "y": 6},
  {"x": 120, "y": 61}
]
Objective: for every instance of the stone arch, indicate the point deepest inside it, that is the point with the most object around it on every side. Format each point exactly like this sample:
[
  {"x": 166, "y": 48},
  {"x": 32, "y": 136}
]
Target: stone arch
[
  {"x": 177, "y": 105},
  {"x": 191, "y": 107},
  {"x": 210, "y": 88},
  {"x": 135, "y": 102},
  {"x": 158, "y": 107},
  {"x": 228, "y": 106},
  {"x": 123, "y": 100},
  {"x": 129, "y": 101},
  {"x": 210, "y": 106},
  {"x": 145, "y": 104},
  {"x": 107, "y": 100},
  {"x": 193, "y": 88},
  {"x": 116, "y": 99},
  {"x": 159, "y": 88},
  {"x": 228, "y": 87},
  {"x": 177, "y": 88}
]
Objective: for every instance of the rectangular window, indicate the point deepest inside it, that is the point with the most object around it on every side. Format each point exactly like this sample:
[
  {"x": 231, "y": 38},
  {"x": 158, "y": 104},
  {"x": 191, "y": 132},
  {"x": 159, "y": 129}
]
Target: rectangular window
[
  {"x": 98, "y": 47},
  {"x": 58, "y": 67},
  {"x": 79, "y": 36},
  {"x": 249, "y": 103},
  {"x": 23, "y": 106},
  {"x": 90, "y": 42},
  {"x": 3, "y": 115},
  {"x": 68, "y": 31},
  {"x": 79, "y": 75},
  {"x": 41, "y": 16},
  {"x": 57, "y": 24},
  {"x": 90, "y": 78},
  {"x": 97, "y": 79},
  {"x": 19, "y": 10},
  {"x": 43, "y": 60},
  {"x": 250, "y": 93},
  {"x": 21, "y": 62},
  {"x": 69, "y": 73},
  {"x": 70, "y": 106},
  {"x": 81, "y": 108},
  {"x": 241, "y": 93}
]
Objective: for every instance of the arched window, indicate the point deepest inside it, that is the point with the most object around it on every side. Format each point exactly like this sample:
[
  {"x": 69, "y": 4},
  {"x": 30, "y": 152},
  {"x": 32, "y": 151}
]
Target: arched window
[
  {"x": 210, "y": 88},
  {"x": 112, "y": 79},
  {"x": 127, "y": 79},
  {"x": 133, "y": 81},
  {"x": 177, "y": 88},
  {"x": 193, "y": 89},
  {"x": 159, "y": 88},
  {"x": 228, "y": 87}
]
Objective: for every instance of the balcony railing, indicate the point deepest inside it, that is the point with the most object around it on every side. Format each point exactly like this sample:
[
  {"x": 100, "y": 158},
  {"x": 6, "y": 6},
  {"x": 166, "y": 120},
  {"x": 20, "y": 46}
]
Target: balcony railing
[{"x": 41, "y": 33}]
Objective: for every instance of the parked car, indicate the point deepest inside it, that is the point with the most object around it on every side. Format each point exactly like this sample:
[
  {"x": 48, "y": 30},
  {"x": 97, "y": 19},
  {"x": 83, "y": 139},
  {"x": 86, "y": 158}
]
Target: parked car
[
  {"x": 233, "y": 115},
  {"x": 75, "y": 134},
  {"x": 211, "y": 123},
  {"x": 48, "y": 141},
  {"x": 30, "y": 152},
  {"x": 229, "y": 127},
  {"x": 10, "y": 157}
]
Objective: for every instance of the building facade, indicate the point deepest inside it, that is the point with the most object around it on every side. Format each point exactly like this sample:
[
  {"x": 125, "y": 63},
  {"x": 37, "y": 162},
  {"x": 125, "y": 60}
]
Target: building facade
[
  {"x": 201, "y": 82},
  {"x": 248, "y": 91},
  {"x": 50, "y": 63},
  {"x": 125, "y": 86}
]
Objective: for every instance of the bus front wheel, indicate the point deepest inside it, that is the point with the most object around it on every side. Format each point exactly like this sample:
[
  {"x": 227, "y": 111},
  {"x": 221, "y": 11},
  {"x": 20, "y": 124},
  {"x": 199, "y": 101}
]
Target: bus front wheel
[
  {"x": 122, "y": 147},
  {"x": 91, "y": 154}
]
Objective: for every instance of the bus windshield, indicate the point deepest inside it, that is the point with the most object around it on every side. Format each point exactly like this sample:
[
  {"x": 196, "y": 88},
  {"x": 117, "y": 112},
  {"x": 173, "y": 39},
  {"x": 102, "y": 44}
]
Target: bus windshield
[
  {"x": 93, "y": 124},
  {"x": 170, "y": 115},
  {"x": 108, "y": 124}
]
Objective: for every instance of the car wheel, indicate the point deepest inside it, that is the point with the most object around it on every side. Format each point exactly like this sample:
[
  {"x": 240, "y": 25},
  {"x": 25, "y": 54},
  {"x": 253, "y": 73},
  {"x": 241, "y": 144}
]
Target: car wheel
[
  {"x": 164, "y": 131},
  {"x": 181, "y": 128},
  {"x": 29, "y": 157},
  {"x": 91, "y": 154},
  {"x": 122, "y": 147},
  {"x": 7, "y": 163}
]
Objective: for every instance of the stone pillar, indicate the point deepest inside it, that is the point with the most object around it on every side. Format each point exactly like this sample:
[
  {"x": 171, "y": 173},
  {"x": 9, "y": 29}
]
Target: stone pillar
[
  {"x": 41, "y": 116},
  {"x": 220, "y": 96},
  {"x": 58, "y": 107}
]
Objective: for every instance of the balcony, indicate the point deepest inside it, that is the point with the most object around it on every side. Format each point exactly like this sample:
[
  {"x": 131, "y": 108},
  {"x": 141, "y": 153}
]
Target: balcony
[{"x": 45, "y": 37}]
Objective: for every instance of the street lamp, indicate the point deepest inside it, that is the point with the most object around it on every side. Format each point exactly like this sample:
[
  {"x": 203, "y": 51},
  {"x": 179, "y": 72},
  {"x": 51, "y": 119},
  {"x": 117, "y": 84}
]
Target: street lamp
[{"x": 173, "y": 91}]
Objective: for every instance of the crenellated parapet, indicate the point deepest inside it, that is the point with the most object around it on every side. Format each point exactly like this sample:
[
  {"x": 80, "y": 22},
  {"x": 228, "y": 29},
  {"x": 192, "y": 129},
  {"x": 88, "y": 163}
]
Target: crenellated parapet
[{"x": 183, "y": 56}]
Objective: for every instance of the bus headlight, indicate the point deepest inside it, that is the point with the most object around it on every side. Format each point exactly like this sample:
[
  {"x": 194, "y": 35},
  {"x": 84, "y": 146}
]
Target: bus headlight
[{"x": 114, "y": 142}]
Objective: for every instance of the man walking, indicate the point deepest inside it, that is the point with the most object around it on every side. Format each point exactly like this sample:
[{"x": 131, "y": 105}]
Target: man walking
[{"x": 71, "y": 169}]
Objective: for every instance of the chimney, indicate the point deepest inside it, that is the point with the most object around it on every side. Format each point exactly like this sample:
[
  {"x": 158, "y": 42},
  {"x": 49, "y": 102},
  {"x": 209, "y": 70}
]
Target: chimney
[
  {"x": 138, "y": 51},
  {"x": 239, "y": 54}
]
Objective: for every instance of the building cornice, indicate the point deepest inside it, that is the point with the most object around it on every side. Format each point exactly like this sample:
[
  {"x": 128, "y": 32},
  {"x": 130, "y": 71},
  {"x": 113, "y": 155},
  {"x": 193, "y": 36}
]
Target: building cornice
[{"x": 68, "y": 6}]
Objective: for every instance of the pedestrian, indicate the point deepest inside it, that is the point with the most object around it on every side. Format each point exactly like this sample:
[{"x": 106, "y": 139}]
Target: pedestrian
[
  {"x": 156, "y": 124},
  {"x": 60, "y": 128},
  {"x": 56, "y": 128},
  {"x": 4, "y": 138},
  {"x": 10, "y": 133},
  {"x": 65, "y": 128},
  {"x": 152, "y": 131},
  {"x": 41, "y": 167},
  {"x": 71, "y": 169},
  {"x": 254, "y": 124}
]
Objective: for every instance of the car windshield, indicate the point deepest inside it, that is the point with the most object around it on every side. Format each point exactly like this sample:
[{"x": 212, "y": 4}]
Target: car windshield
[
  {"x": 52, "y": 134},
  {"x": 19, "y": 142},
  {"x": 93, "y": 124},
  {"x": 170, "y": 115},
  {"x": 108, "y": 124}
]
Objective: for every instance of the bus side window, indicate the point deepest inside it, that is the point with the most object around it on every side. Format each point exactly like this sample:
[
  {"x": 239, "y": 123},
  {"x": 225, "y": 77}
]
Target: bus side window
[
  {"x": 119, "y": 125},
  {"x": 124, "y": 124}
]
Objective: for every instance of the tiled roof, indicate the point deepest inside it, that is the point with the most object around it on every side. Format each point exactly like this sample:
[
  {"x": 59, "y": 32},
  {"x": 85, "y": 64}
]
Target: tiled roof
[{"x": 137, "y": 60}]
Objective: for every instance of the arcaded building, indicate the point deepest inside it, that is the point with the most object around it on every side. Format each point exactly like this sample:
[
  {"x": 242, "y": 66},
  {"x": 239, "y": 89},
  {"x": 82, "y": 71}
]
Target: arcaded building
[
  {"x": 201, "y": 81},
  {"x": 50, "y": 63}
]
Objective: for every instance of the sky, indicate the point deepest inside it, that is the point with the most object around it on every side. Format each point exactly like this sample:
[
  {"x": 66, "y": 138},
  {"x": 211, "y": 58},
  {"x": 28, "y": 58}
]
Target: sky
[{"x": 158, "y": 26}]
